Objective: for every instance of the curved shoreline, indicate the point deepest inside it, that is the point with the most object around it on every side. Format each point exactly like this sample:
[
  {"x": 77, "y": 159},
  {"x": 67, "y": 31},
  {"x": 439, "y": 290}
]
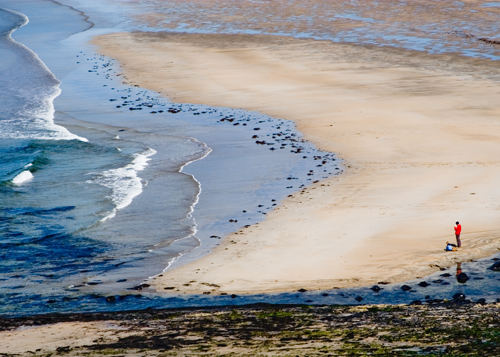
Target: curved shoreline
[{"x": 394, "y": 125}]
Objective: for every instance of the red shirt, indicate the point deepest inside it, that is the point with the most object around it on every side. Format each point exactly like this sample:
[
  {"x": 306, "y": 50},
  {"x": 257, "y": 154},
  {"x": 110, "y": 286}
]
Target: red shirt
[{"x": 458, "y": 229}]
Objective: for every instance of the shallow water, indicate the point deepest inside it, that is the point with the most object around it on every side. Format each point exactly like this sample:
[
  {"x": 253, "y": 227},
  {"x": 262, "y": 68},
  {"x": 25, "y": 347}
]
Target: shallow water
[{"x": 446, "y": 26}]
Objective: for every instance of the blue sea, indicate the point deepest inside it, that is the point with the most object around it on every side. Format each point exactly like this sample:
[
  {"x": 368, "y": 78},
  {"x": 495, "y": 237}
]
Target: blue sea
[{"x": 103, "y": 185}]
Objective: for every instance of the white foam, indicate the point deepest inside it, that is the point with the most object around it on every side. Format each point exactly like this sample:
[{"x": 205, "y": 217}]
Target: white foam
[
  {"x": 124, "y": 182},
  {"x": 36, "y": 123},
  {"x": 22, "y": 178}
]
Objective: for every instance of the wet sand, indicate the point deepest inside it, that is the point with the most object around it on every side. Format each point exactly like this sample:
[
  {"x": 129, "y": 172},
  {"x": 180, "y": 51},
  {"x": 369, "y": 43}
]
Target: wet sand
[{"x": 419, "y": 135}]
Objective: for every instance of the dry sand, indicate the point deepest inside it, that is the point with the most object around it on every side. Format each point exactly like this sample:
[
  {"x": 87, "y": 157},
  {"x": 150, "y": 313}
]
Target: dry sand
[{"x": 419, "y": 134}]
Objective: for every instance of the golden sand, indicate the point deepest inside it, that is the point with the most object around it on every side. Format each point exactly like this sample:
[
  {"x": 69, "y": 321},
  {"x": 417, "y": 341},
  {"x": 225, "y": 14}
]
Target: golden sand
[{"x": 419, "y": 134}]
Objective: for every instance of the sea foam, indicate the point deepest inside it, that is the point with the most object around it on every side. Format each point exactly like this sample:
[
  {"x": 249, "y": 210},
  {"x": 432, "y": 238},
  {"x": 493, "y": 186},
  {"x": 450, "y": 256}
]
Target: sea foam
[
  {"x": 28, "y": 94},
  {"x": 124, "y": 182},
  {"x": 22, "y": 178}
]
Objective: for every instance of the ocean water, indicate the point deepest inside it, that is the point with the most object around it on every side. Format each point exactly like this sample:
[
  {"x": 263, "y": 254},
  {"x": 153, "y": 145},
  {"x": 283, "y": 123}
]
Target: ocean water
[
  {"x": 103, "y": 185},
  {"x": 58, "y": 190}
]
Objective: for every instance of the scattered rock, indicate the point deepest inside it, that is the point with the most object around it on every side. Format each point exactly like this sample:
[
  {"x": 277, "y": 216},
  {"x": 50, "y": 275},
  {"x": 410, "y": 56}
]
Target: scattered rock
[
  {"x": 302, "y": 290},
  {"x": 358, "y": 298},
  {"x": 459, "y": 297},
  {"x": 405, "y": 287},
  {"x": 141, "y": 286},
  {"x": 495, "y": 266},
  {"x": 423, "y": 284},
  {"x": 376, "y": 288}
]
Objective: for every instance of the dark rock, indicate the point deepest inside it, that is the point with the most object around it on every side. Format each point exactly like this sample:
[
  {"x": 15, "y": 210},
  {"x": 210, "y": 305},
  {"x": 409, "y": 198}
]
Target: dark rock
[
  {"x": 141, "y": 286},
  {"x": 121, "y": 280},
  {"x": 233, "y": 296},
  {"x": 459, "y": 297},
  {"x": 481, "y": 301},
  {"x": 376, "y": 288},
  {"x": 93, "y": 283},
  {"x": 358, "y": 298},
  {"x": 434, "y": 301},
  {"x": 324, "y": 294},
  {"x": 110, "y": 299},
  {"x": 405, "y": 287},
  {"x": 383, "y": 282},
  {"x": 302, "y": 290},
  {"x": 462, "y": 278},
  {"x": 495, "y": 266},
  {"x": 51, "y": 301},
  {"x": 437, "y": 281},
  {"x": 169, "y": 288},
  {"x": 423, "y": 284},
  {"x": 446, "y": 275}
]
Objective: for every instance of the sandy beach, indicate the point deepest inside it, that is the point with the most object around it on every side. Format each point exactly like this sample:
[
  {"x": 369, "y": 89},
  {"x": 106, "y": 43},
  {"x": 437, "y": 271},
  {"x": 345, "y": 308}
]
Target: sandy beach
[{"x": 419, "y": 135}]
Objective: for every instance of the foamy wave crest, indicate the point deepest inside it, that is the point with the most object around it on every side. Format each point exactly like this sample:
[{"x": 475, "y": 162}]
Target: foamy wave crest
[
  {"x": 28, "y": 93},
  {"x": 37, "y": 121},
  {"x": 22, "y": 178},
  {"x": 124, "y": 181}
]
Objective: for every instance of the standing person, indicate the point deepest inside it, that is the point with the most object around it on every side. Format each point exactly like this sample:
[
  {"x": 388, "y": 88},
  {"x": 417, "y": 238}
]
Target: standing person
[{"x": 458, "y": 230}]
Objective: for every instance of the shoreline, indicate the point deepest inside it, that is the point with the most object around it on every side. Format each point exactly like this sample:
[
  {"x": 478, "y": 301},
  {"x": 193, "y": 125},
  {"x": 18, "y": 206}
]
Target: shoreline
[
  {"x": 393, "y": 125},
  {"x": 92, "y": 89}
]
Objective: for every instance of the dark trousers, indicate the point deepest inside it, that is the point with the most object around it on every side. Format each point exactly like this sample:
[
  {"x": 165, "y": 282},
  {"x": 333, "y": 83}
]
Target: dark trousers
[{"x": 459, "y": 243}]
